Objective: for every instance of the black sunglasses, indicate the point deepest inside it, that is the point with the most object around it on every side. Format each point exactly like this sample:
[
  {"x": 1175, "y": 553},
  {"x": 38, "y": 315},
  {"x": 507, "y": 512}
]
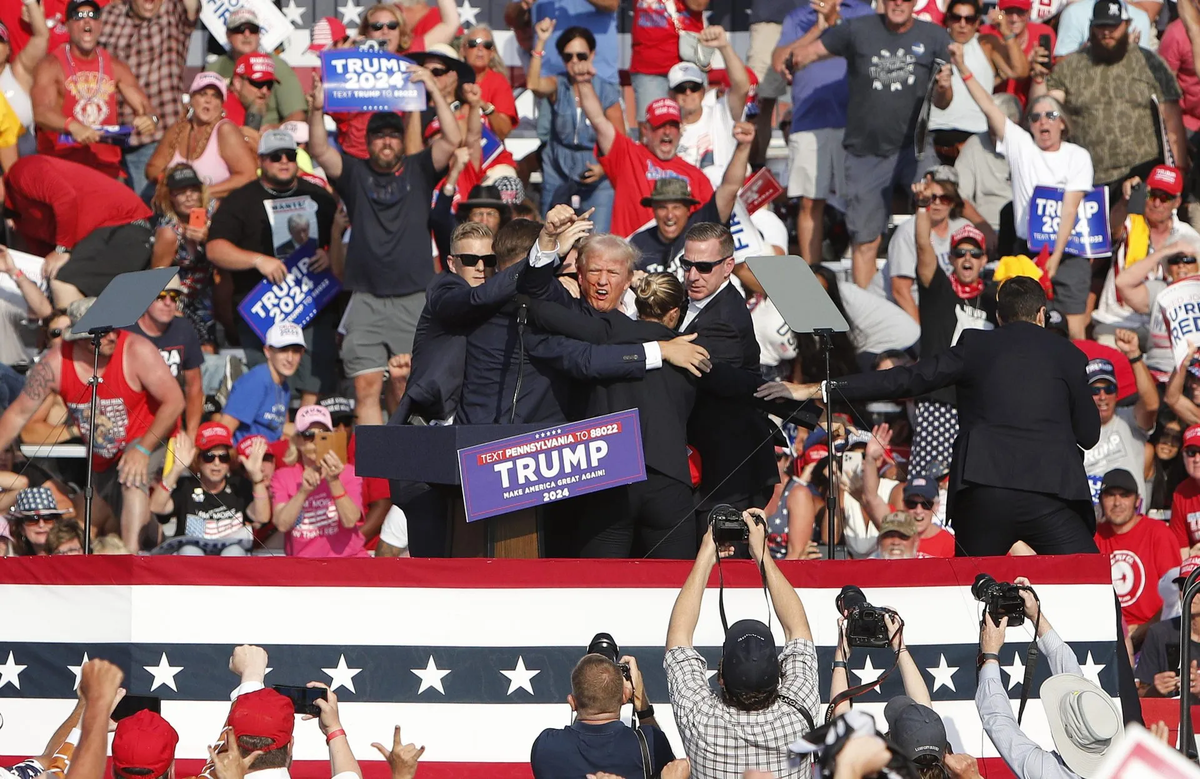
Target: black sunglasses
[
  {"x": 309, "y": 435},
  {"x": 968, "y": 18},
  {"x": 688, "y": 87},
  {"x": 912, "y": 504},
  {"x": 1104, "y": 389},
  {"x": 702, "y": 267},
  {"x": 1182, "y": 259},
  {"x": 471, "y": 260},
  {"x": 268, "y": 84},
  {"x": 209, "y": 457},
  {"x": 378, "y": 26},
  {"x": 244, "y": 28},
  {"x": 438, "y": 72},
  {"x": 37, "y": 520},
  {"x": 475, "y": 43},
  {"x": 963, "y": 251},
  {"x": 281, "y": 155},
  {"x": 582, "y": 56},
  {"x": 1190, "y": 451}
]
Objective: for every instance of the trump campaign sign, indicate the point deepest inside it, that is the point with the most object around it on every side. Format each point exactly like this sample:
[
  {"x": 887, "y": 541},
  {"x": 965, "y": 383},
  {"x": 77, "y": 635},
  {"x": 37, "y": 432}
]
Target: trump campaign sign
[
  {"x": 1090, "y": 238},
  {"x": 298, "y": 298},
  {"x": 369, "y": 80},
  {"x": 1180, "y": 304},
  {"x": 550, "y": 465}
]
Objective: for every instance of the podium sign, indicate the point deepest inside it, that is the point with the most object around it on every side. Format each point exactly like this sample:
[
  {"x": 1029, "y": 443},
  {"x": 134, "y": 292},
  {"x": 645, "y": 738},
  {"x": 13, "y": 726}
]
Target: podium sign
[{"x": 550, "y": 465}]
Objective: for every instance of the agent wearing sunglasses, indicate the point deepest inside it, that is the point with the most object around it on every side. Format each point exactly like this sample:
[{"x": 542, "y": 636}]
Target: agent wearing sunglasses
[
  {"x": 177, "y": 342},
  {"x": 286, "y": 100},
  {"x": 478, "y": 49},
  {"x": 214, "y": 510},
  {"x": 1124, "y": 430}
]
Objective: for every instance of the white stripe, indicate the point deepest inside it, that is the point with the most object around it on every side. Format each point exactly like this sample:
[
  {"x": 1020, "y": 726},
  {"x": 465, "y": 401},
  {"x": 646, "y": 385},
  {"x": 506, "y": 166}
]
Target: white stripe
[{"x": 493, "y": 617}]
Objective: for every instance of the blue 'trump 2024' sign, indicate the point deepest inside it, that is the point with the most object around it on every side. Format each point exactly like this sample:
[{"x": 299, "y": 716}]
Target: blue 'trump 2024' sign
[
  {"x": 369, "y": 80},
  {"x": 298, "y": 298},
  {"x": 552, "y": 464},
  {"x": 1091, "y": 236}
]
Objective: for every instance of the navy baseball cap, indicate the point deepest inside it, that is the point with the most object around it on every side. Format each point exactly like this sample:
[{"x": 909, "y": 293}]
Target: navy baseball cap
[
  {"x": 916, "y": 729},
  {"x": 1101, "y": 369},
  {"x": 921, "y": 487},
  {"x": 749, "y": 660}
]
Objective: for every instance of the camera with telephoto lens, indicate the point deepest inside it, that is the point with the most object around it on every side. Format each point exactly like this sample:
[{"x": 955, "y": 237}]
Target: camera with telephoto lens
[
  {"x": 1000, "y": 600},
  {"x": 864, "y": 623},
  {"x": 603, "y": 644},
  {"x": 727, "y": 525}
]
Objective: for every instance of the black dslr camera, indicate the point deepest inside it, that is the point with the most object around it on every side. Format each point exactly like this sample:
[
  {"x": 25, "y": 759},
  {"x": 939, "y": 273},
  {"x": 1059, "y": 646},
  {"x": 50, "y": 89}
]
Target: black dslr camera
[
  {"x": 864, "y": 622},
  {"x": 727, "y": 525},
  {"x": 603, "y": 644},
  {"x": 1000, "y": 599}
]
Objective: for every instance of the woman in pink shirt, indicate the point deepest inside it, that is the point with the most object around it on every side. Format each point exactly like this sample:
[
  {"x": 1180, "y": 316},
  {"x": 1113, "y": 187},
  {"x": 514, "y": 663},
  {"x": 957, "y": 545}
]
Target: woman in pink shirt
[{"x": 318, "y": 504}]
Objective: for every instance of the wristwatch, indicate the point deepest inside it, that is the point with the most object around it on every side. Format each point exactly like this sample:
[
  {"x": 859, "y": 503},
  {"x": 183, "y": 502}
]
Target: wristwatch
[
  {"x": 491, "y": 109},
  {"x": 645, "y": 713},
  {"x": 62, "y": 249}
]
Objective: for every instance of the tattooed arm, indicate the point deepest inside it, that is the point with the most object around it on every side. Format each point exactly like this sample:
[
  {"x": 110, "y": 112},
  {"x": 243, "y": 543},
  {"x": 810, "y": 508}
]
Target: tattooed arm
[{"x": 39, "y": 383}]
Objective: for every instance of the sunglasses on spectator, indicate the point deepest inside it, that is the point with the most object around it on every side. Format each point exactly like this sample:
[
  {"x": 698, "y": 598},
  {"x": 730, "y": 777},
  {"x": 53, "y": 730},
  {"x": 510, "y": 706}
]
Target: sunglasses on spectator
[
  {"x": 309, "y": 435},
  {"x": 472, "y": 260},
  {"x": 438, "y": 72},
  {"x": 944, "y": 200},
  {"x": 1036, "y": 116},
  {"x": 169, "y": 294},
  {"x": 84, "y": 15},
  {"x": 1181, "y": 259},
  {"x": 281, "y": 155},
  {"x": 210, "y": 457},
  {"x": 963, "y": 251},
  {"x": 688, "y": 87},
  {"x": 912, "y": 503},
  {"x": 486, "y": 43},
  {"x": 1191, "y": 451},
  {"x": 252, "y": 29},
  {"x": 582, "y": 56},
  {"x": 701, "y": 267},
  {"x": 40, "y": 520},
  {"x": 1170, "y": 439},
  {"x": 968, "y": 18},
  {"x": 380, "y": 26},
  {"x": 1160, "y": 196},
  {"x": 268, "y": 84},
  {"x": 1104, "y": 389}
]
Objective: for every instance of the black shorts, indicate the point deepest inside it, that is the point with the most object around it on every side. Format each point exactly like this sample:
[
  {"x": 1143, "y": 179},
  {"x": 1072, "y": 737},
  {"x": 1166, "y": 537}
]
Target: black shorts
[{"x": 106, "y": 253}]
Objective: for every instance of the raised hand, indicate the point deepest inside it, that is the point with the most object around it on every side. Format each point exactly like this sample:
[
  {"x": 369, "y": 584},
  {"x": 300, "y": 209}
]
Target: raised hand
[
  {"x": 743, "y": 133},
  {"x": 544, "y": 29},
  {"x": 402, "y": 757},
  {"x": 713, "y": 36},
  {"x": 472, "y": 94},
  {"x": 881, "y": 438},
  {"x": 316, "y": 94}
]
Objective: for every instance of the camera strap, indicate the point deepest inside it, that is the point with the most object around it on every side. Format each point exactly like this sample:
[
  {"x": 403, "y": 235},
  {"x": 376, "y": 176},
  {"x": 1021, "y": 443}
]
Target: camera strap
[
  {"x": 762, "y": 572},
  {"x": 647, "y": 766},
  {"x": 1031, "y": 655}
]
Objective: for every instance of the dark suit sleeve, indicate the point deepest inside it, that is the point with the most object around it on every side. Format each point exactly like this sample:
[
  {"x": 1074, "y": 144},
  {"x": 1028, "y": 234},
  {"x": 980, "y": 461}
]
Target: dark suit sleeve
[
  {"x": 722, "y": 340},
  {"x": 541, "y": 284},
  {"x": 460, "y": 304},
  {"x": 441, "y": 224},
  {"x": 921, "y": 378},
  {"x": 587, "y": 362},
  {"x": 595, "y": 328},
  {"x": 1085, "y": 419}
]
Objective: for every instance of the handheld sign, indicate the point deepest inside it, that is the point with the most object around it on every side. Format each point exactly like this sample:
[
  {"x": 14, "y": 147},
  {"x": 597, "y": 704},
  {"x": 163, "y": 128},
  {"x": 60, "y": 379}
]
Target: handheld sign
[
  {"x": 759, "y": 189},
  {"x": 1180, "y": 304},
  {"x": 369, "y": 80},
  {"x": 1090, "y": 238},
  {"x": 550, "y": 465},
  {"x": 116, "y": 134},
  {"x": 274, "y": 27},
  {"x": 298, "y": 298}
]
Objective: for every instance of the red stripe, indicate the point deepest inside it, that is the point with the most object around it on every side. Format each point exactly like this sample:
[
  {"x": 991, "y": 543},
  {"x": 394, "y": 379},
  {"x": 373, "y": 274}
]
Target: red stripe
[{"x": 523, "y": 574}]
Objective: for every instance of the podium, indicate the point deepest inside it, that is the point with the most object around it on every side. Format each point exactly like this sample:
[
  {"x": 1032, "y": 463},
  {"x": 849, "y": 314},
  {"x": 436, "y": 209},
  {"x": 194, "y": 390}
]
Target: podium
[{"x": 429, "y": 454}]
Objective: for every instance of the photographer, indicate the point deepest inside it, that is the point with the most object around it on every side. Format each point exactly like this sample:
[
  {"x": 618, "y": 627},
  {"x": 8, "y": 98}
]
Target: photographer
[
  {"x": 767, "y": 700},
  {"x": 597, "y": 740},
  {"x": 1083, "y": 719},
  {"x": 914, "y": 684}
]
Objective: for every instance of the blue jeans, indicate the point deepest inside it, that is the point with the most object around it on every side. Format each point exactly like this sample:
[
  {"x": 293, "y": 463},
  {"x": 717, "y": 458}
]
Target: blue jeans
[
  {"x": 135, "y": 159},
  {"x": 11, "y": 384},
  {"x": 647, "y": 89}
]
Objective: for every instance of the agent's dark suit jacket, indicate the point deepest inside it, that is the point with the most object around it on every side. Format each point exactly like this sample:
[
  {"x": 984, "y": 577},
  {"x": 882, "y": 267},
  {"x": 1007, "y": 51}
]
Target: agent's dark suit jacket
[{"x": 1025, "y": 413}]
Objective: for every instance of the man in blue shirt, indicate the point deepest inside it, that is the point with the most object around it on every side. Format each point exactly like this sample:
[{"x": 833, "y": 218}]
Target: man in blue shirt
[
  {"x": 816, "y": 163},
  {"x": 258, "y": 401}
]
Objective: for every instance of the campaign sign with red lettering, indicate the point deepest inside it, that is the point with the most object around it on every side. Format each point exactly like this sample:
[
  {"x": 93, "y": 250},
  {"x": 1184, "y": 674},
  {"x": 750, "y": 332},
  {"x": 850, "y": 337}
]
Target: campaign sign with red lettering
[{"x": 552, "y": 464}]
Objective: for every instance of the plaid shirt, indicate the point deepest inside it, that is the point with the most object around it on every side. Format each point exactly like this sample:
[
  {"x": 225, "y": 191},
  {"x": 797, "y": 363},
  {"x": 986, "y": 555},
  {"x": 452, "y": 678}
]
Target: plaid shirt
[
  {"x": 155, "y": 50},
  {"x": 721, "y": 741}
]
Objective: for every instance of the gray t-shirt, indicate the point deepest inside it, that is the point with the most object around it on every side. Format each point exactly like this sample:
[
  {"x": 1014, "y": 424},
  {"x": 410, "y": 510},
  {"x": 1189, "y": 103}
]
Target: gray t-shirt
[
  {"x": 889, "y": 74},
  {"x": 902, "y": 256},
  {"x": 1122, "y": 444},
  {"x": 984, "y": 177},
  {"x": 876, "y": 325}
]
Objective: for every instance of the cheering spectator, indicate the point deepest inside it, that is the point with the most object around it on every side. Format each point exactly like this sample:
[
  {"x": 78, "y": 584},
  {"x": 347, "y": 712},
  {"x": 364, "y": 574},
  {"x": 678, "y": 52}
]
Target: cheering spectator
[
  {"x": 151, "y": 37},
  {"x": 286, "y": 100},
  {"x": 89, "y": 228},
  {"x": 1106, "y": 90},
  {"x": 1125, "y": 429},
  {"x": 243, "y": 237},
  {"x": 984, "y": 178},
  {"x": 20, "y": 63},
  {"x": 820, "y": 92},
  {"x": 1143, "y": 234},
  {"x": 661, "y": 30},
  {"x": 920, "y": 498},
  {"x": 1030, "y": 35},
  {"x": 1141, "y": 550},
  {"x": 599, "y": 17},
  {"x": 213, "y": 510},
  {"x": 206, "y": 140},
  {"x": 258, "y": 401},
  {"x": 478, "y": 49},
  {"x": 634, "y": 167},
  {"x": 136, "y": 380},
  {"x": 180, "y": 242},
  {"x": 1042, "y": 157},
  {"x": 1139, "y": 289},
  {"x": 1164, "y": 461},
  {"x": 33, "y": 516},
  {"x": 318, "y": 502},
  {"x": 569, "y": 166},
  {"x": 249, "y": 93},
  {"x": 1075, "y": 21},
  {"x": 176, "y": 341},
  {"x": 899, "y": 538},
  {"x": 449, "y": 72},
  {"x": 388, "y": 200},
  {"x": 75, "y": 92},
  {"x": 788, "y": 539},
  {"x": 762, "y": 692},
  {"x": 1157, "y": 672},
  {"x": 1185, "y": 506},
  {"x": 705, "y": 130},
  {"x": 896, "y": 280},
  {"x": 883, "y": 112}
]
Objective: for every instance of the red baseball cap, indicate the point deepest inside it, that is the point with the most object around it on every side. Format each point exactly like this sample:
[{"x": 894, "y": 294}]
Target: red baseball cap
[
  {"x": 276, "y": 449},
  {"x": 255, "y": 67},
  {"x": 1166, "y": 178},
  {"x": 327, "y": 31},
  {"x": 1186, "y": 569},
  {"x": 264, "y": 714},
  {"x": 146, "y": 741},
  {"x": 432, "y": 129},
  {"x": 968, "y": 233},
  {"x": 212, "y": 434},
  {"x": 814, "y": 454},
  {"x": 1191, "y": 436},
  {"x": 662, "y": 111}
]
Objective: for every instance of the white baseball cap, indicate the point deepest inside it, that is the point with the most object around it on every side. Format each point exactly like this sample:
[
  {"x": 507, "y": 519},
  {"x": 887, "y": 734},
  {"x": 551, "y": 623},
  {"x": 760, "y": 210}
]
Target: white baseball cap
[
  {"x": 683, "y": 72},
  {"x": 285, "y": 334}
]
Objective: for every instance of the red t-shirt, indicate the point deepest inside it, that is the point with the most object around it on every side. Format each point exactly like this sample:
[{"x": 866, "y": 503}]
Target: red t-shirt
[
  {"x": 496, "y": 90},
  {"x": 930, "y": 11},
  {"x": 20, "y": 32},
  {"x": 632, "y": 169},
  {"x": 1176, "y": 51},
  {"x": 1185, "y": 513},
  {"x": 1020, "y": 87},
  {"x": 1139, "y": 559},
  {"x": 431, "y": 19},
  {"x": 655, "y": 41},
  {"x": 940, "y": 544}
]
